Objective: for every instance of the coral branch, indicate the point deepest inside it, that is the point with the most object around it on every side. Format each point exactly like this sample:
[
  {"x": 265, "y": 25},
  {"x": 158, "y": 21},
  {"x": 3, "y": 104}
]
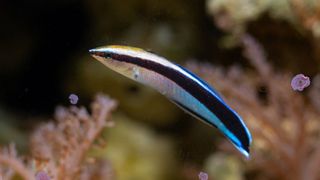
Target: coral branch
[
  {"x": 8, "y": 157},
  {"x": 60, "y": 148},
  {"x": 70, "y": 139},
  {"x": 284, "y": 125}
]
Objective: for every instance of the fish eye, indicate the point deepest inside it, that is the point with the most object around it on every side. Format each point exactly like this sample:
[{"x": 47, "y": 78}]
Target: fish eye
[{"x": 107, "y": 55}]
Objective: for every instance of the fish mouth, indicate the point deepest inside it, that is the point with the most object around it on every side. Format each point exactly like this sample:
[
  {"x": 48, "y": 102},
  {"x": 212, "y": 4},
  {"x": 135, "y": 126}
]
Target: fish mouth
[
  {"x": 96, "y": 52},
  {"x": 92, "y": 51}
]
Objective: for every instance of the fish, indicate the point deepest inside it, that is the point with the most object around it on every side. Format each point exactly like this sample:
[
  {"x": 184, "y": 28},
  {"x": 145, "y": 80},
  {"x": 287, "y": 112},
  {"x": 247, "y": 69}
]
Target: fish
[{"x": 179, "y": 85}]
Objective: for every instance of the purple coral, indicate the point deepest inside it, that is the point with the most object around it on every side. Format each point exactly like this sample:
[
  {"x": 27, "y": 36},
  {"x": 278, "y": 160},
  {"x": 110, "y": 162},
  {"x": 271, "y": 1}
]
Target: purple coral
[
  {"x": 41, "y": 175},
  {"x": 73, "y": 99},
  {"x": 203, "y": 176},
  {"x": 299, "y": 82}
]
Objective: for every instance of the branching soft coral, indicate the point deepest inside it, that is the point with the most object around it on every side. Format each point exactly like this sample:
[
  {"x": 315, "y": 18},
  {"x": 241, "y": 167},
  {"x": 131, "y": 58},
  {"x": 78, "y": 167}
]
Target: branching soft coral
[
  {"x": 308, "y": 15},
  {"x": 11, "y": 163},
  {"x": 283, "y": 123},
  {"x": 59, "y": 148},
  {"x": 234, "y": 15}
]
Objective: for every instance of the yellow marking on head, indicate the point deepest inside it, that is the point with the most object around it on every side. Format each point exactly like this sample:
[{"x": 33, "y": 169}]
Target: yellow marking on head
[{"x": 125, "y": 48}]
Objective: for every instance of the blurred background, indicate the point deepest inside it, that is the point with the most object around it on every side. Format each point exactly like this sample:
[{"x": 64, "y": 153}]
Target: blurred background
[{"x": 249, "y": 50}]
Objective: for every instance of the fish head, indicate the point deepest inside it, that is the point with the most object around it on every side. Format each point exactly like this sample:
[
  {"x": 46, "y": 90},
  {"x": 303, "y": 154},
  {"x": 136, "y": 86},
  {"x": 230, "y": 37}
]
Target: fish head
[{"x": 122, "y": 59}]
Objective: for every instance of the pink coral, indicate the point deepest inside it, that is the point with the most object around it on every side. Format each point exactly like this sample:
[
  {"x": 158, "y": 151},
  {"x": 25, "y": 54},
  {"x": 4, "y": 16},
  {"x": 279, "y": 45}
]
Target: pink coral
[
  {"x": 284, "y": 125},
  {"x": 203, "y": 176},
  {"x": 41, "y": 175},
  {"x": 299, "y": 82},
  {"x": 73, "y": 98},
  {"x": 61, "y": 147}
]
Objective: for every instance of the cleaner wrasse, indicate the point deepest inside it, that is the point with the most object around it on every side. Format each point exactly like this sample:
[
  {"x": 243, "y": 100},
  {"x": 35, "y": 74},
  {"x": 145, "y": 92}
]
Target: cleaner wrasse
[{"x": 180, "y": 86}]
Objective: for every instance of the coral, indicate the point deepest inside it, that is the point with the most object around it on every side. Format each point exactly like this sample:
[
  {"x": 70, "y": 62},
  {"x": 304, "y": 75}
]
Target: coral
[
  {"x": 73, "y": 98},
  {"x": 223, "y": 166},
  {"x": 59, "y": 149},
  {"x": 299, "y": 82},
  {"x": 234, "y": 15},
  {"x": 42, "y": 176},
  {"x": 11, "y": 163},
  {"x": 203, "y": 176},
  {"x": 307, "y": 14},
  {"x": 137, "y": 152},
  {"x": 284, "y": 123}
]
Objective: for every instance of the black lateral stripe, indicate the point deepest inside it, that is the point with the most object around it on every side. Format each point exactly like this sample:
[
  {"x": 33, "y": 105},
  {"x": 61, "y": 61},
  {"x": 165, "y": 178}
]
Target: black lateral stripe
[{"x": 227, "y": 117}]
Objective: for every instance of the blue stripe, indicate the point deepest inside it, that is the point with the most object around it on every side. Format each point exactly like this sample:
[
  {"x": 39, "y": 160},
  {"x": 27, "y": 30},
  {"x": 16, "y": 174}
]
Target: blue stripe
[{"x": 203, "y": 83}]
